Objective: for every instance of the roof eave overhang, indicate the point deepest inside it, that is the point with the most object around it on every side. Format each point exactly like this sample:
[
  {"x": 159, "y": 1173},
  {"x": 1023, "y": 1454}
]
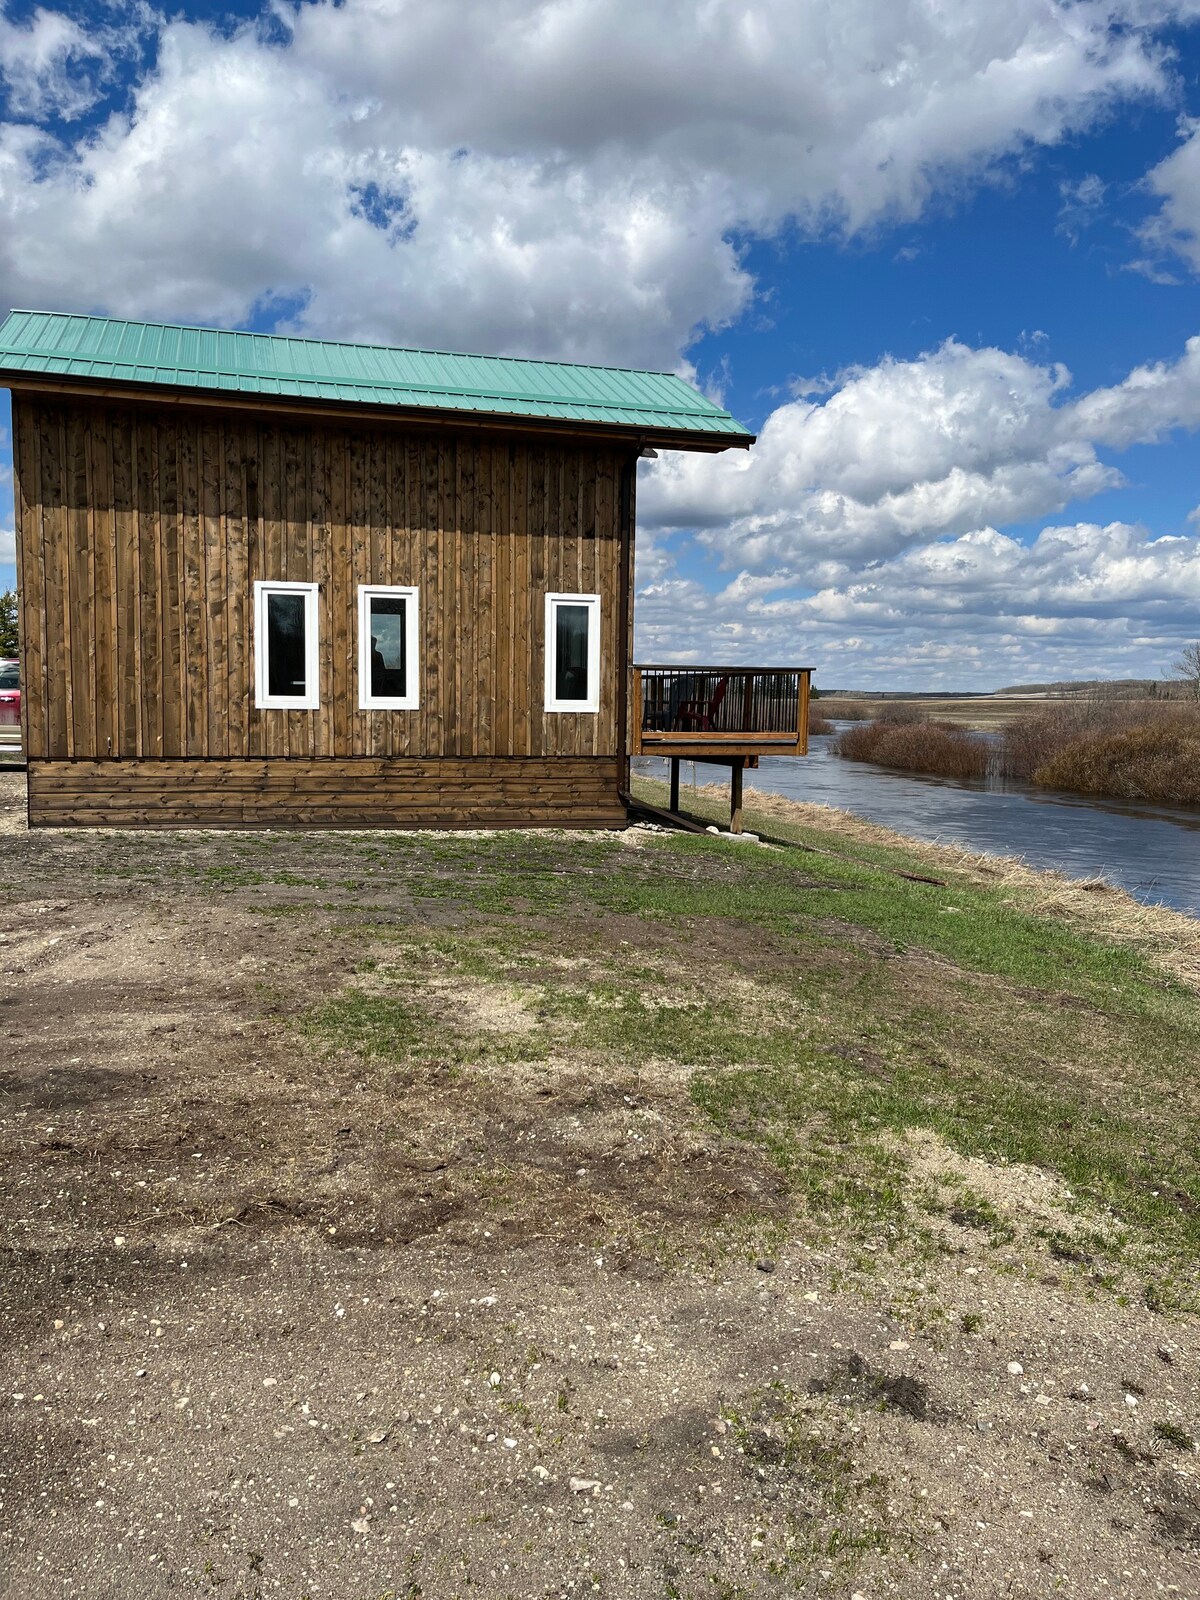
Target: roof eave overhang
[{"x": 635, "y": 435}]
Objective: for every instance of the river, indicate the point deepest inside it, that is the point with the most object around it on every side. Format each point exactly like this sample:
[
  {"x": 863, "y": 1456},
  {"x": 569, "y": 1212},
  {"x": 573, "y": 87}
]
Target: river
[{"x": 1152, "y": 851}]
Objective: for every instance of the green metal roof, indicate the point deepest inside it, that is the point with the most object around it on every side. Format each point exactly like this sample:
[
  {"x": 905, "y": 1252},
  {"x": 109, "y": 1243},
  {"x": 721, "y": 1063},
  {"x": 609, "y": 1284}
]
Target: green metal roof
[{"x": 158, "y": 355}]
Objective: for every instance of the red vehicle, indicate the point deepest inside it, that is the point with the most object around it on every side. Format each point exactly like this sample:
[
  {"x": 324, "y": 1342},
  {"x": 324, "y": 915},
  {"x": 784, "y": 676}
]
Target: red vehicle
[{"x": 10, "y": 694}]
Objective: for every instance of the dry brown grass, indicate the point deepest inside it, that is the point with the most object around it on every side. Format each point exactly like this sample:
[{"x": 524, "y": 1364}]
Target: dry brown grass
[
  {"x": 904, "y": 739},
  {"x": 846, "y": 708},
  {"x": 1130, "y": 750},
  {"x": 818, "y": 724},
  {"x": 988, "y": 713},
  {"x": 972, "y": 711},
  {"x": 1147, "y": 750},
  {"x": 1157, "y": 762},
  {"x": 1044, "y": 732}
]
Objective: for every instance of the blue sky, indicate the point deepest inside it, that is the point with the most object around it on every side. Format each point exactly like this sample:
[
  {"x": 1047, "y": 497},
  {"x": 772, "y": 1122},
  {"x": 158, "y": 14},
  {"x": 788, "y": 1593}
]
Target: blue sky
[{"x": 942, "y": 255}]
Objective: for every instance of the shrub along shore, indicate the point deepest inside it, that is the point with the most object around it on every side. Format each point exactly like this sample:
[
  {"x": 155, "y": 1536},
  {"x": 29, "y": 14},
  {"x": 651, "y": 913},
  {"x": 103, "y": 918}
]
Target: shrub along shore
[{"x": 1124, "y": 749}]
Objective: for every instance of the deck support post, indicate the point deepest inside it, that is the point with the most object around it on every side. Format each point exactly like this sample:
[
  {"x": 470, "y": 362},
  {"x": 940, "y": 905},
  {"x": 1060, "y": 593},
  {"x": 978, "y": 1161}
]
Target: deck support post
[
  {"x": 674, "y": 783},
  {"x": 735, "y": 795}
]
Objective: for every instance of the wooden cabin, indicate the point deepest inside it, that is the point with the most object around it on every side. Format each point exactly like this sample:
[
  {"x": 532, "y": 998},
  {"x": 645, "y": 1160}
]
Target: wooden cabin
[{"x": 267, "y": 580}]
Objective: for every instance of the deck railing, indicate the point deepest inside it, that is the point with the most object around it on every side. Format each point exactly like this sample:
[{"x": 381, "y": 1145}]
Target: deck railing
[{"x": 747, "y": 710}]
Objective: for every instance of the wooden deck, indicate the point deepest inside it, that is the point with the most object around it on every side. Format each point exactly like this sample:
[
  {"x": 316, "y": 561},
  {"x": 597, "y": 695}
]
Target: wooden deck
[
  {"x": 726, "y": 715},
  {"x": 719, "y": 713}
]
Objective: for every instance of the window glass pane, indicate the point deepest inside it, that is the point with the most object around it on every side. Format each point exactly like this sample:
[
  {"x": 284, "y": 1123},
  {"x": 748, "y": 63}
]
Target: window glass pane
[
  {"x": 285, "y": 644},
  {"x": 570, "y": 652},
  {"x": 389, "y": 660},
  {"x": 9, "y": 678}
]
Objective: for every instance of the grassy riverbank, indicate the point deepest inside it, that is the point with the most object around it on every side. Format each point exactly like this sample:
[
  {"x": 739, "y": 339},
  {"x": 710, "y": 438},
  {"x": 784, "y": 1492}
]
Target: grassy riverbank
[
  {"x": 455, "y": 1214},
  {"x": 927, "y": 1032}
]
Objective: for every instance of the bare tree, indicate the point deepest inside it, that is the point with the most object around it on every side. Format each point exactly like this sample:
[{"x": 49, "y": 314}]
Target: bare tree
[{"x": 1188, "y": 668}]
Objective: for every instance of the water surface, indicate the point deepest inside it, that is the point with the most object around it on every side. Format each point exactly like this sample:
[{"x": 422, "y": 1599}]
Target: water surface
[{"x": 1152, "y": 851}]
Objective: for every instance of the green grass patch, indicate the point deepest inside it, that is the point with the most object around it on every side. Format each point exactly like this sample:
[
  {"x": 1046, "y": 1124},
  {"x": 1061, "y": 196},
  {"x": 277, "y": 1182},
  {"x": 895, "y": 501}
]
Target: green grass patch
[
  {"x": 394, "y": 1021},
  {"x": 375, "y": 1026},
  {"x": 1178, "y": 1438},
  {"x": 820, "y": 1006},
  {"x": 827, "y": 1074}
]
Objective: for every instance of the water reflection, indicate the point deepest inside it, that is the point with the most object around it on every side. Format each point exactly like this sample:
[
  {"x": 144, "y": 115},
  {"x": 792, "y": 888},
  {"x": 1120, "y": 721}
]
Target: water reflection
[{"x": 1152, "y": 851}]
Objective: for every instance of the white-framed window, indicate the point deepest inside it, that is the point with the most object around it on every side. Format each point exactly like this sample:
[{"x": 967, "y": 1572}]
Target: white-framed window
[
  {"x": 388, "y": 648},
  {"x": 572, "y": 652},
  {"x": 285, "y": 646}
]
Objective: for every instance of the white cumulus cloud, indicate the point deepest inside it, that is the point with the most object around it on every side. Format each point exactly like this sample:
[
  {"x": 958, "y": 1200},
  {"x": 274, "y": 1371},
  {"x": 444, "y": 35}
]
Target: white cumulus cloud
[
  {"x": 548, "y": 176},
  {"x": 51, "y": 66},
  {"x": 1175, "y": 228},
  {"x": 1082, "y": 600},
  {"x": 865, "y": 526},
  {"x": 906, "y": 452}
]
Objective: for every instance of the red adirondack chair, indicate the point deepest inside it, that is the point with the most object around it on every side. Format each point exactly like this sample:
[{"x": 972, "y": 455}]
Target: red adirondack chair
[{"x": 699, "y": 716}]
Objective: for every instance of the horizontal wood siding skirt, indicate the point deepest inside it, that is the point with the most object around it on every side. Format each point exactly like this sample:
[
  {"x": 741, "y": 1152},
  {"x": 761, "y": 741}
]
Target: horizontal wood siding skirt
[{"x": 364, "y": 793}]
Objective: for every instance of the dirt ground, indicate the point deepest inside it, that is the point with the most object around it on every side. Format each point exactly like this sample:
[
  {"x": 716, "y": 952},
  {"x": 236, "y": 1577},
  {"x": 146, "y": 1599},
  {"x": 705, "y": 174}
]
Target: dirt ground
[{"x": 280, "y": 1318}]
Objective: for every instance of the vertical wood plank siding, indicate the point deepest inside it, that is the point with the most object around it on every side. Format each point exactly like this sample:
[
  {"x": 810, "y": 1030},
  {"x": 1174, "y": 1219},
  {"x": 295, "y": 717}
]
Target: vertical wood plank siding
[{"x": 141, "y": 535}]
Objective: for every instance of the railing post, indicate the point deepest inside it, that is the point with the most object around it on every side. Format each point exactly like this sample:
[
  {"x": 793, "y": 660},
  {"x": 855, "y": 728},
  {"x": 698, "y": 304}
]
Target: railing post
[
  {"x": 638, "y": 711},
  {"x": 735, "y": 796},
  {"x": 802, "y": 714},
  {"x": 674, "y": 783}
]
